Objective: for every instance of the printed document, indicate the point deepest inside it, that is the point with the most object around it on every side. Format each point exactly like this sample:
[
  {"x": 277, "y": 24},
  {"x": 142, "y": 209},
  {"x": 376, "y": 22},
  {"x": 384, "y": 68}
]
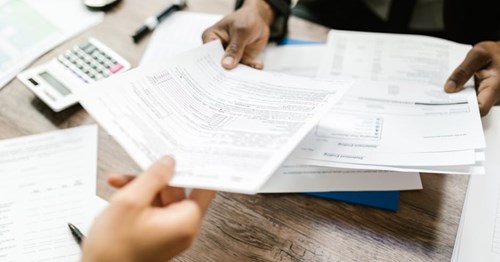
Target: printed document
[
  {"x": 397, "y": 114},
  {"x": 478, "y": 236},
  {"x": 293, "y": 177},
  {"x": 228, "y": 130},
  {"x": 301, "y": 60},
  {"x": 48, "y": 180},
  {"x": 182, "y": 31},
  {"x": 29, "y": 28}
]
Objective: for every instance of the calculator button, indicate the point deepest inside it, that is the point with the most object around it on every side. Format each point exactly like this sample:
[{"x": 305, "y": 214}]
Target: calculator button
[
  {"x": 89, "y": 63},
  {"x": 89, "y": 49},
  {"x": 115, "y": 68},
  {"x": 109, "y": 65},
  {"x": 61, "y": 58},
  {"x": 85, "y": 45}
]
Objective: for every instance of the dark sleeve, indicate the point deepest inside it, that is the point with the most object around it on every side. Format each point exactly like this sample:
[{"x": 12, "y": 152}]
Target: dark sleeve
[
  {"x": 472, "y": 21},
  {"x": 281, "y": 9}
]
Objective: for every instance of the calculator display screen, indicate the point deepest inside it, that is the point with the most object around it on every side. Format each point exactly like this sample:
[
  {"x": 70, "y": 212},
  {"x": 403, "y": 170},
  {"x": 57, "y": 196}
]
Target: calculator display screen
[{"x": 58, "y": 86}]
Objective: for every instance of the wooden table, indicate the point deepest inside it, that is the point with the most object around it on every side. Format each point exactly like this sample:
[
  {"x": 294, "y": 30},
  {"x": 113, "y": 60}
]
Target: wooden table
[{"x": 275, "y": 227}]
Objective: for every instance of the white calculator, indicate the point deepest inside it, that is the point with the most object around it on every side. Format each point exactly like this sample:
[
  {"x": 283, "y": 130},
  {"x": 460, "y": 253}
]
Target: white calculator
[{"x": 55, "y": 82}]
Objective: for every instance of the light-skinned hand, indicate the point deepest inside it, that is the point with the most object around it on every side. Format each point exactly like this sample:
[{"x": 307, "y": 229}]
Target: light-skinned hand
[
  {"x": 146, "y": 220},
  {"x": 244, "y": 34},
  {"x": 482, "y": 62}
]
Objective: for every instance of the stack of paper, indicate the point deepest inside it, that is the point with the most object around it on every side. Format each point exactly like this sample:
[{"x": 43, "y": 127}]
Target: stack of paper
[
  {"x": 231, "y": 130},
  {"x": 181, "y": 32},
  {"x": 396, "y": 116}
]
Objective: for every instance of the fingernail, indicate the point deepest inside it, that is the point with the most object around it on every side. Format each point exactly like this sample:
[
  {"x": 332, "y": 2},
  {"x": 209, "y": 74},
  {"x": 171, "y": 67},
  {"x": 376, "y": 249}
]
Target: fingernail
[
  {"x": 450, "y": 86},
  {"x": 258, "y": 66},
  {"x": 167, "y": 160},
  {"x": 228, "y": 61}
]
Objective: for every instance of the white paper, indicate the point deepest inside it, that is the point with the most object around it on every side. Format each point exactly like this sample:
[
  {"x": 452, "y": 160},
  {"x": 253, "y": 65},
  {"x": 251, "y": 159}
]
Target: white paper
[
  {"x": 384, "y": 117},
  {"x": 397, "y": 114},
  {"x": 182, "y": 31},
  {"x": 391, "y": 57},
  {"x": 475, "y": 169},
  {"x": 291, "y": 177},
  {"x": 300, "y": 60},
  {"x": 451, "y": 158},
  {"x": 48, "y": 180},
  {"x": 29, "y": 28},
  {"x": 478, "y": 236},
  {"x": 228, "y": 130},
  {"x": 178, "y": 33}
]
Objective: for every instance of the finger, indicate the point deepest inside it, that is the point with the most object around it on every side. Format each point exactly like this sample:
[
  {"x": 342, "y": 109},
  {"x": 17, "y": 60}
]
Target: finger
[
  {"x": 251, "y": 53},
  {"x": 119, "y": 181},
  {"x": 487, "y": 96},
  {"x": 182, "y": 220},
  {"x": 176, "y": 226},
  {"x": 208, "y": 36},
  {"x": 147, "y": 185},
  {"x": 170, "y": 195},
  {"x": 235, "y": 48},
  {"x": 255, "y": 63},
  {"x": 212, "y": 34},
  {"x": 477, "y": 58},
  {"x": 202, "y": 198}
]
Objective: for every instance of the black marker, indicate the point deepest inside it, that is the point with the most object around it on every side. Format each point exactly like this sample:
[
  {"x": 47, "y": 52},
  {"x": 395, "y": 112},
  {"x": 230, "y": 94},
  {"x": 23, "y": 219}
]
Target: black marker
[
  {"x": 151, "y": 23},
  {"x": 77, "y": 234}
]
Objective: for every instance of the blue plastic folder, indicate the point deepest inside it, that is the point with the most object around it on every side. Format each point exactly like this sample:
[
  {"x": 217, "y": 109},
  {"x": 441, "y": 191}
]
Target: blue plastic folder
[
  {"x": 388, "y": 200},
  {"x": 293, "y": 41}
]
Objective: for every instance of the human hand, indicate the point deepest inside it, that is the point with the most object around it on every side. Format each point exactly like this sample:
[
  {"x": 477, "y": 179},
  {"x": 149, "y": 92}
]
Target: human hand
[
  {"x": 482, "y": 62},
  {"x": 244, "y": 33},
  {"x": 146, "y": 220}
]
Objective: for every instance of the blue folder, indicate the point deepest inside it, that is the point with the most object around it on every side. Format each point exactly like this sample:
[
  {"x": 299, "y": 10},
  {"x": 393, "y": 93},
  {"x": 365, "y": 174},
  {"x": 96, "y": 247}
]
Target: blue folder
[{"x": 388, "y": 200}]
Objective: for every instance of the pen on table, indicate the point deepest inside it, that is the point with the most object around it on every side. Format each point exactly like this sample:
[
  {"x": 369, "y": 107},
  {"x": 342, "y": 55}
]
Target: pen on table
[
  {"x": 77, "y": 234},
  {"x": 150, "y": 23}
]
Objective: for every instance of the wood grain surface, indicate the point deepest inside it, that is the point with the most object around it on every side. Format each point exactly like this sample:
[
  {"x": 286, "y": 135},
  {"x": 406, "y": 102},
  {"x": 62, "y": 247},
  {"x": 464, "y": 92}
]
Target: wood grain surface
[{"x": 271, "y": 227}]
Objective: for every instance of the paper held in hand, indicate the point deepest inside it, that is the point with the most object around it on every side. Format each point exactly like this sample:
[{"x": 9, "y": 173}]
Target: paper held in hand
[{"x": 228, "y": 130}]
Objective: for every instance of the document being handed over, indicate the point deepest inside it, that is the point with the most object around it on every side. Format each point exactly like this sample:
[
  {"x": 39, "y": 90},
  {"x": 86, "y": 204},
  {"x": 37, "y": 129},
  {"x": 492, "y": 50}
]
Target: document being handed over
[
  {"x": 228, "y": 130},
  {"x": 397, "y": 116}
]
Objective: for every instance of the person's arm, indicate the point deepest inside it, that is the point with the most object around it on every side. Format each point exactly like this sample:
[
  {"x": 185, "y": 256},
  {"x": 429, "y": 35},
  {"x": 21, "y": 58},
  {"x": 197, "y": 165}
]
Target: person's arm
[
  {"x": 245, "y": 32},
  {"x": 146, "y": 220},
  {"x": 482, "y": 62}
]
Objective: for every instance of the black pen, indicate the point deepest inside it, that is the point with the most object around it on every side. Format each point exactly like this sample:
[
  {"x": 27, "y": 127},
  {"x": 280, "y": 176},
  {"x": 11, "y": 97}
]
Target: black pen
[
  {"x": 77, "y": 234},
  {"x": 153, "y": 21}
]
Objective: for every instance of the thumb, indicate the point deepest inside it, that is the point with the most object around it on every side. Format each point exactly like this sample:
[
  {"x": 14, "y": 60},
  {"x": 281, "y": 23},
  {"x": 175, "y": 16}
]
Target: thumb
[
  {"x": 147, "y": 185},
  {"x": 477, "y": 58},
  {"x": 488, "y": 94},
  {"x": 235, "y": 49}
]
